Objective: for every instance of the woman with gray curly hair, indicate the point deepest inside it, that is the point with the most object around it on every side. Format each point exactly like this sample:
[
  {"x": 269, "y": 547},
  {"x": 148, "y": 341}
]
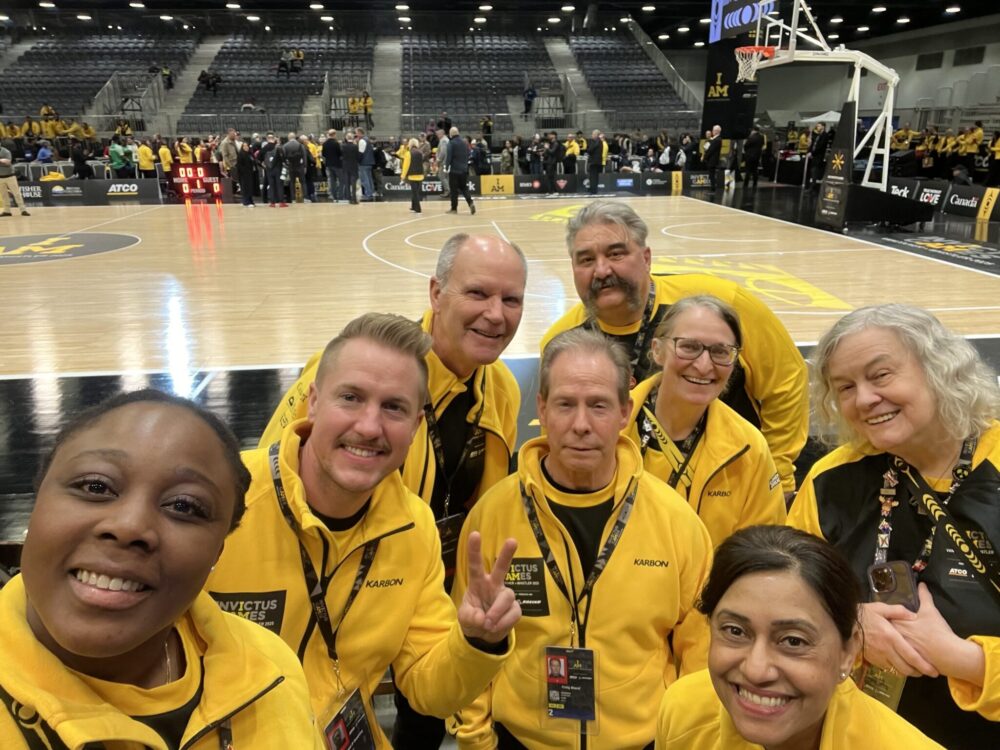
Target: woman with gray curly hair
[{"x": 912, "y": 498}]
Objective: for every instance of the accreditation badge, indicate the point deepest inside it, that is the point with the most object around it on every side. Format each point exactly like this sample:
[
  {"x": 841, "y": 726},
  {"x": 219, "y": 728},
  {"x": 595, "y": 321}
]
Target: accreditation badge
[
  {"x": 881, "y": 684},
  {"x": 449, "y": 528},
  {"x": 570, "y": 685},
  {"x": 349, "y": 728}
]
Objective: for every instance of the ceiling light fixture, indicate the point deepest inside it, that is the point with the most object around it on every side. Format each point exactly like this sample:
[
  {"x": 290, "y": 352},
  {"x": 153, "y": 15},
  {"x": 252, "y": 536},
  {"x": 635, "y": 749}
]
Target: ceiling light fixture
[
  {"x": 862, "y": 28},
  {"x": 137, "y": 5},
  {"x": 836, "y": 19},
  {"x": 663, "y": 36},
  {"x": 683, "y": 30},
  {"x": 253, "y": 18},
  {"x": 326, "y": 18},
  {"x": 879, "y": 9},
  {"x": 402, "y": 19},
  {"x": 699, "y": 44},
  {"x": 953, "y": 9},
  {"x": 903, "y": 20},
  {"x": 569, "y": 8}
]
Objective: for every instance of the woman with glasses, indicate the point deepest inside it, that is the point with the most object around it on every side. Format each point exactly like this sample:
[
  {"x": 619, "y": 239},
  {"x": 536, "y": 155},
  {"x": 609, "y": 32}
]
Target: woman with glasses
[
  {"x": 692, "y": 440},
  {"x": 914, "y": 489}
]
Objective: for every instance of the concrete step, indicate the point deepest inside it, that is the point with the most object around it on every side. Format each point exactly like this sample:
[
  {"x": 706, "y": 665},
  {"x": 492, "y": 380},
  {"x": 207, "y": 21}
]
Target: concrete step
[
  {"x": 387, "y": 87},
  {"x": 13, "y": 52},
  {"x": 565, "y": 61},
  {"x": 185, "y": 84}
]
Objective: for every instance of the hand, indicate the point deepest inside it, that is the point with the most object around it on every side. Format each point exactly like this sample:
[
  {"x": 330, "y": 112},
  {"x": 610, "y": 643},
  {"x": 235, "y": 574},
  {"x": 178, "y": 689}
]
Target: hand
[
  {"x": 489, "y": 609},
  {"x": 885, "y": 646},
  {"x": 932, "y": 637}
]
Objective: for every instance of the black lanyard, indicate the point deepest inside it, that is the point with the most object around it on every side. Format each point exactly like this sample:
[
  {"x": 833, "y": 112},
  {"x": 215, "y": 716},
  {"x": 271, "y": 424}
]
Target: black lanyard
[
  {"x": 918, "y": 487},
  {"x": 437, "y": 444},
  {"x": 644, "y": 328},
  {"x": 677, "y": 456},
  {"x": 614, "y": 537},
  {"x": 316, "y": 585}
]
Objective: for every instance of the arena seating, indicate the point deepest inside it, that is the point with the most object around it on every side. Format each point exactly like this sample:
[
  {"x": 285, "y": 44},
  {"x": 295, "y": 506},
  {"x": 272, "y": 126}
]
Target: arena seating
[
  {"x": 68, "y": 71},
  {"x": 624, "y": 79},
  {"x": 470, "y": 75},
  {"x": 248, "y": 65}
]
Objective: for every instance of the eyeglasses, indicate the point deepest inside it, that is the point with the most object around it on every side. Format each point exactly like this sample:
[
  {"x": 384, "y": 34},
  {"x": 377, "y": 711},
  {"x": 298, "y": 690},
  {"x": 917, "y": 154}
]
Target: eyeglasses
[{"x": 721, "y": 354}]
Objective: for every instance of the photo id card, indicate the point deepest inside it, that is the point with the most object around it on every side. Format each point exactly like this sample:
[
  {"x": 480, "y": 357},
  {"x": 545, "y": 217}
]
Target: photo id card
[
  {"x": 349, "y": 728},
  {"x": 570, "y": 683}
]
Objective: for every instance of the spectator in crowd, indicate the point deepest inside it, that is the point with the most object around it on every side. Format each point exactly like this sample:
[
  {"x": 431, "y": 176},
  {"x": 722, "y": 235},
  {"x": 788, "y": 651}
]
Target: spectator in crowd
[
  {"x": 753, "y": 147},
  {"x": 596, "y": 148},
  {"x": 442, "y": 158},
  {"x": 529, "y": 97},
  {"x": 30, "y": 127},
  {"x": 80, "y": 153},
  {"x": 366, "y": 156},
  {"x": 486, "y": 128},
  {"x": 228, "y": 152},
  {"x": 184, "y": 151},
  {"x": 168, "y": 77},
  {"x": 120, "y": 158},
  {"x": 572, "y": 152},
  {"x": 47, "y": 112},
  {"x": 552, "y": 157},
  {"x": 367, "y": 104},
  {"x": 146, "y": 160},
  {"x": 285, "y": 63},
  {"x": 272, "y": 158},
  {"x": 336, "y": 180},
  {"x": 9, "y": 189},
  {"x": 507, "y": 158},
  {"x": 44, "y": 154},
  {"x": 296, "y": 161},
  {"x": 713, "y": 156},
  {"x": 458, "y": 170},
  {"x": 246, "y": 171},
  {"x": 444, "y": 123},
  {"x": 413, "y": 172},
  {"x": 298, "y": 60},
  {"x": 310, "y": 163},
  {"x": 166, "y": 165},
  {"x": 351, "y": 159},
  {"x": 993, "y": 180},
  {"x": 123, "y": 128}
]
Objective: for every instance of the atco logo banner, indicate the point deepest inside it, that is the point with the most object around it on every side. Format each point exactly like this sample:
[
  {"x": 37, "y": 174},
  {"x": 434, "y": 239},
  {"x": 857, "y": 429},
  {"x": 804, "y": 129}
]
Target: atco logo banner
[
  {"x": 733, "y": 17},
  {"x": 497, "y": 184},
  {"x": 127, "y": 189},
  {"x": 35, "y": 248}
]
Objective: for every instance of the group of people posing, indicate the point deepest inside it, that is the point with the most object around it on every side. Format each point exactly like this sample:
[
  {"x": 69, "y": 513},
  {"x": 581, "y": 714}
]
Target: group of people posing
[{"x": 628, "y": 579}]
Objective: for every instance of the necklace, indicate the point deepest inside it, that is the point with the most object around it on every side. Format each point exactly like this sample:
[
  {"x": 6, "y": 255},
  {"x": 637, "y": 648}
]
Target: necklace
[{"x": 170, "y": 667}]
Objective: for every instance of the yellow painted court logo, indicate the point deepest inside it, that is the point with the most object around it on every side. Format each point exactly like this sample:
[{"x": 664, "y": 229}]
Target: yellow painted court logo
[
  {"x": 762, "y": 279},
  {"x": 561, "y": 215},
  {"x": 35, "y": 248}
]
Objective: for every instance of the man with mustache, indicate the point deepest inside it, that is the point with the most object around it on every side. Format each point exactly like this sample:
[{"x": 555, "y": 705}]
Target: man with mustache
[
  {"x": 611, "y": 270},
  {"x": 337, "y": 557},
  {"x": 610, "y": 563},
  {"x": 465, "y": 443}
]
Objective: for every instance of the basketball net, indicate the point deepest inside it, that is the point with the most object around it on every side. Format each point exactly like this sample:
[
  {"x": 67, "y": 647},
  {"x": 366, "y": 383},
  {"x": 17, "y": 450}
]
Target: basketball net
[{"x": 748, "y": 58}]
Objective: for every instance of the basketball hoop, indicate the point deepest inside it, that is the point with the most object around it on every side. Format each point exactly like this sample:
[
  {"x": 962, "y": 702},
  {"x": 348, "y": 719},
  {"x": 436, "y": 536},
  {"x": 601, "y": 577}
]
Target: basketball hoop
[{"x": 748, "y": 58}]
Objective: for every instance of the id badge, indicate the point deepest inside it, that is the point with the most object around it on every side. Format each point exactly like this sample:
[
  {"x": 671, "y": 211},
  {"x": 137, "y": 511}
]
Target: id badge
[
  {"x": 570, "y": 684},
  {"x": 449, "y": 528},
  {"x": 882, "y": 685},
  {"x": 349, "y": 728}
]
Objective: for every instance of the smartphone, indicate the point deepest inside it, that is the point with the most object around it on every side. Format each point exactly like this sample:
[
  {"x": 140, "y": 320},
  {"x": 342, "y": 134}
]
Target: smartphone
[{"x": 893, "y": 582}]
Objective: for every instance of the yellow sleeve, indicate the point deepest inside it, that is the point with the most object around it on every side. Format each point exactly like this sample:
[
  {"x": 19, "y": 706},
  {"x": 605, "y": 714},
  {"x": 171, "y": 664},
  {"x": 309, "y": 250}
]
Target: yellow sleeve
[
  {"x": 778, "y": 381},
  {"x": 406, "y": 166},
  {"x": 804, "y": 514},
  {"x": 983, "y": 700},
  {"x": 437, "y": 669},
  {"x": 472, "y": 726},
  {"x": 691, "y": 635},
  {"x": 293, "y": 405}
]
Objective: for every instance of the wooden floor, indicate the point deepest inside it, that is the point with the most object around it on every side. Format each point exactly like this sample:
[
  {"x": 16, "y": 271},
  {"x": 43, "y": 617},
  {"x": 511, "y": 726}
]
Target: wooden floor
[{"x": 227, "y": 287}]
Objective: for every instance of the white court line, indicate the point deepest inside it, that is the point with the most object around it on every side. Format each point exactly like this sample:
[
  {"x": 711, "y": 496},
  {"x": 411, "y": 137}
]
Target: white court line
[
  {"x": 771, "y": 252},
  {"x": 869, "y": 243},
  {"x": 929, "y": 309},
  {"x": 120, "y": 218},
  {"x": 664, "y": 231},
  {"x": 500, "y": 232},
  {"x": 202, "y": 385}
]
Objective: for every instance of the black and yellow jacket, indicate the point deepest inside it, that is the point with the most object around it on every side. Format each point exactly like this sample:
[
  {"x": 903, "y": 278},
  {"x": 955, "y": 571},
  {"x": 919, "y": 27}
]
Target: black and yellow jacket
[
  {"x": 839, "y": 501},
  {"x": 733, "y": 481},
  {"x": 401, "y": 617},
  {"x": 413, "y": 168},
  {"x": 247, "y": 674},
  {"x": 693, "y": 718},
  {"x": 642, "y": 622},
  {"x": 493, "y": 382},
  {"x": 774, "y": 389}
]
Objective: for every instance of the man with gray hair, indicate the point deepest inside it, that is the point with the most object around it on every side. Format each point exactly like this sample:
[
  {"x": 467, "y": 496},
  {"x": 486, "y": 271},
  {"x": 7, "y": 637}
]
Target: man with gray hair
[
  {"x": 442, "y": 161},
  {"x": 467, "y": 439},
  {"x": 458, "y": 170},
  {"x": 609, "y": 566},
  {"x": 619, "y": 296}
]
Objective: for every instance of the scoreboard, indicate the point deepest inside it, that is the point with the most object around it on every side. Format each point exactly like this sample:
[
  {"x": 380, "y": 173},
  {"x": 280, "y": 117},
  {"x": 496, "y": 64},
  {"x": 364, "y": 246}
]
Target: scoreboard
[{"x": 197, "y": 181}]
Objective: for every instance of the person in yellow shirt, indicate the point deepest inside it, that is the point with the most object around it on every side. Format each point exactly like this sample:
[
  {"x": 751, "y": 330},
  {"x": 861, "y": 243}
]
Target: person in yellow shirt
[
  {"x": 366, "y": 104},
  {"x": 49, "y": 128},
  {"x": 47, "y": 112},
  {"x": 353, "y": 108},
  {"x": 783, "y": 607},
  {"x": 572, "y": 147},
  {"x": 88, "y": 131},
  {"x": 108, "y": 640},
  {"x": 973, "y": 139},
  {"x": 166, "y": 162},
  {"x": 11, "y": 130},
  {"x": 993, "y": 180},
  {"x": 185, "y": 154},
  {"x": 147, "y": 160},
  {"x": 30, "y": 127},
  {"x": 123, "y": 128},
  {"x": 804, "y": 139}
]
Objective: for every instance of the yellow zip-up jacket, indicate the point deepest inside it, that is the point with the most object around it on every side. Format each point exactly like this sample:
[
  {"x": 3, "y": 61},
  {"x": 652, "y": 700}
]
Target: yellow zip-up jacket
[
  {"x": 499, "y": 420},
  {"x": 401, "y": 617},
  {"x": 693, "y": 718},
  {"x": 776, "y": 377},
  {"x": 185, "y": 154},
  {"x": 734, "y": 483},
  {"x": 642, "y": 621},
  {"x": 147, "y": 161},
  {"x": 248, "y": 673},
  {"x": 572, "y": 147},
  {"x": 972, "y": 141}
]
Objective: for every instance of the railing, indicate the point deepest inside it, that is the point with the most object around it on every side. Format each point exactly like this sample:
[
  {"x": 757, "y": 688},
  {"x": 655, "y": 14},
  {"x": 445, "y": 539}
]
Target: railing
[
  {"x": 588, "y": 120},
  {"x": 685, "y": 92},
  {"x": 671, "y": 119},
  {"x": 210, "y": 124},
  {"x": 327, "y": 101},
  {"x": 570, "y": 98},
  {"x": 145, "y": 88},
  {"x": 413, "y": 123}
]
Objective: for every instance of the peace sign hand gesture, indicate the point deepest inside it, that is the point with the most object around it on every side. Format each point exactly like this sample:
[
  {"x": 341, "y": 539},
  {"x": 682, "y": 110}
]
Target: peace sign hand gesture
[{"x": 489, "y": 609}]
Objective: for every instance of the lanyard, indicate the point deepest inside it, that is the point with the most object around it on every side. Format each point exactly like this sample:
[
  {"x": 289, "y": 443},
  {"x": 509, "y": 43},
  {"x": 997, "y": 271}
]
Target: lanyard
[
  {"x": 437, "y": 444},
  {"x": 644, "y": 328},
  {"x": 677, "y": 457},
  {"x": 316, "y": 585},
  {"x": 887, "y": 499},
  {"x": 578, "y": 625}
]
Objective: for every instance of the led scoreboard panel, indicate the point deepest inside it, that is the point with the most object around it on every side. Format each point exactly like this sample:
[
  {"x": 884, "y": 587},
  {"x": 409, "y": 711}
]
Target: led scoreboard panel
[{"x": 197, "y": 180}]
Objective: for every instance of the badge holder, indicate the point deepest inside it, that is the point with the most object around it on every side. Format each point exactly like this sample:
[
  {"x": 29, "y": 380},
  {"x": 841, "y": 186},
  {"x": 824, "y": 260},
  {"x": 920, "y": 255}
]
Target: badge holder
[
  {"x": 346, "y": 724},
  {"x": 570, "y": 693},
  {"x": 881, "y": 684}
]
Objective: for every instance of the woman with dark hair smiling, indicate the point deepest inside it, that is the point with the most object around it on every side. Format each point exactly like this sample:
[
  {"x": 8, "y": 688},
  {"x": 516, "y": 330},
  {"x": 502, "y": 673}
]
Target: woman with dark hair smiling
[
  {"x": 107, "y": 638},
  {"x": 914, "y": 488},
  {"x": 783, "y": 608}
]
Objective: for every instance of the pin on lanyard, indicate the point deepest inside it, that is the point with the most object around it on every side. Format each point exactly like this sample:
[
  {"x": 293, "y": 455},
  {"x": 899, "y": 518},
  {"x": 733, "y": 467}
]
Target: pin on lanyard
[
  {"x": 599, "y": 565},
  {"x": 437, "y": 443},
  {"x": 315, "y": 585},
  {"x": 888, "y": 501}
]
